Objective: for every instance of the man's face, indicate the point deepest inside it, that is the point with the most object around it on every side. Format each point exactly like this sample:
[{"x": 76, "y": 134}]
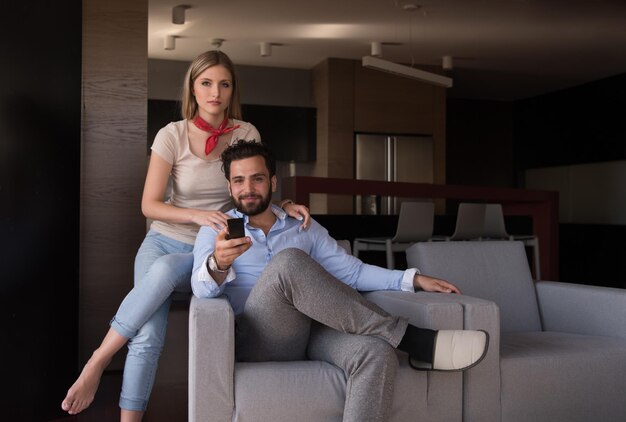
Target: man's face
[{"x": 250, "y": 185}]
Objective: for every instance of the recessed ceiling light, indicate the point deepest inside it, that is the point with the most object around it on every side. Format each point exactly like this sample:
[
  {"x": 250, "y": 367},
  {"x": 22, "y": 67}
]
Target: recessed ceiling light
[{"x": 411, "y": 7}]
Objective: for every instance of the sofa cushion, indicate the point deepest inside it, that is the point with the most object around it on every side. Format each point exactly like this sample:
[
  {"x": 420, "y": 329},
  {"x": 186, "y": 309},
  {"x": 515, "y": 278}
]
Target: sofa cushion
[
  {"x": 585, "y": 373},
  {"x": 289, "y": 391},
  {"x": 314, "y": 391}
]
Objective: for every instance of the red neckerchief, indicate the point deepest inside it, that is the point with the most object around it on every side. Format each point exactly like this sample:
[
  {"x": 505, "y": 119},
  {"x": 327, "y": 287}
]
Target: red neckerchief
[{"x": 211, "y": 141}]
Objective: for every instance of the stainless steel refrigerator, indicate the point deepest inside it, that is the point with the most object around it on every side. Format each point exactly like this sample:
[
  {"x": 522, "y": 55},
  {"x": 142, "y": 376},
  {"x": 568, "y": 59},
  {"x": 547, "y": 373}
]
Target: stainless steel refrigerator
[{"x": 391, "y": 158}]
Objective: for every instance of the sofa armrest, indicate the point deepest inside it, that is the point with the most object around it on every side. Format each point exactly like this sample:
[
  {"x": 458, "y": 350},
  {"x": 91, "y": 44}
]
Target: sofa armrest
[
  {"x": 481, "y": 384},
  {"x": 211, "y": 359},
  {"x": 421, "y": 310},
  {"x": 582, "y": 309}
]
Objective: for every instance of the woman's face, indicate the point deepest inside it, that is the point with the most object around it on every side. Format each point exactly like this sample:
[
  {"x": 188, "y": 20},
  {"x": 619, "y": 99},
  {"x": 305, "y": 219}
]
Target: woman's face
[{"x": 213, "y": 90}]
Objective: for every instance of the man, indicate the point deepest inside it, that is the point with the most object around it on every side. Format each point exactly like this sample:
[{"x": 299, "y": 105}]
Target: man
[{"x": 295, "y": 294}]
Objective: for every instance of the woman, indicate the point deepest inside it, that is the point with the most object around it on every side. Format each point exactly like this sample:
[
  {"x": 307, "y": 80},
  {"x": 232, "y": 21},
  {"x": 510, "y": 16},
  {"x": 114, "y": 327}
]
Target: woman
[{"x": 188, "y": 151}]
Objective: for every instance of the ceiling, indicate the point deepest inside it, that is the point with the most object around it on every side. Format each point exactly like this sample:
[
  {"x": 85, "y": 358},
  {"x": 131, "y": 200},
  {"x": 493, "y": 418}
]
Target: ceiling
[{"x": 501, "y": 49}]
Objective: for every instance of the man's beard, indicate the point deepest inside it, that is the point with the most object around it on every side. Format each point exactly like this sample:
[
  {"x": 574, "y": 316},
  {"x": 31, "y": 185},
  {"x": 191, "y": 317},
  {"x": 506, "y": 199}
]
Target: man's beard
[{"x": 253, "y": 209}]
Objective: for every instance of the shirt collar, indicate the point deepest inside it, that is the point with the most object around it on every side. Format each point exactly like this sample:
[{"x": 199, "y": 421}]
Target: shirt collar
[{"x": 278, "y": 212}]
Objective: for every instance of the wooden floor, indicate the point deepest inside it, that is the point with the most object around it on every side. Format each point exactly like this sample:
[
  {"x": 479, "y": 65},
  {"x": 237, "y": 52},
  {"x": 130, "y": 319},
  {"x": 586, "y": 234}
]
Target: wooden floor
[{"x": 168, "y": 402}]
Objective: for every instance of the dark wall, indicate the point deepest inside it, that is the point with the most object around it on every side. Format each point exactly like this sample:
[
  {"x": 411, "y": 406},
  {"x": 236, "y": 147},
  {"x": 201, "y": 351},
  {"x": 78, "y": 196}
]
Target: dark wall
[
  {"x": 593, "y": 254},
  {"x": 289, "y": 131},
  {"x": 160, "y": 114},
  {"x": 492, "y": 143},
  {"x": 39, "y": 185},
  {"x": 584, "y": 124},
  {"x": 479, "y": 143}
]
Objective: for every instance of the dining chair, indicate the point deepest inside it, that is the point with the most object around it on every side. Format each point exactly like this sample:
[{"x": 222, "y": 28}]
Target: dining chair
[
  {"x": 415, "y": 224},
  {"x": 486, "y": 222}
]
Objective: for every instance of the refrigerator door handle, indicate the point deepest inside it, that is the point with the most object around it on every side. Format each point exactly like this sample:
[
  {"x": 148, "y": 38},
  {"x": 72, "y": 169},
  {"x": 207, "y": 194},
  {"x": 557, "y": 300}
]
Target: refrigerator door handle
[{"x": 390, "y": 155}]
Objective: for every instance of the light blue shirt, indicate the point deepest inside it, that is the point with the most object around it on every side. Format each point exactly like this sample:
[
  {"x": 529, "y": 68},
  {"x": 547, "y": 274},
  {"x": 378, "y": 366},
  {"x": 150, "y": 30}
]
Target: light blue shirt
[{"x": 286, "y": 233}]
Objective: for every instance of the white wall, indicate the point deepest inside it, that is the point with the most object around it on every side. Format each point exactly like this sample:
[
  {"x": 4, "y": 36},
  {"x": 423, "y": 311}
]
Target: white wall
[{"x": 592, "y": 193}]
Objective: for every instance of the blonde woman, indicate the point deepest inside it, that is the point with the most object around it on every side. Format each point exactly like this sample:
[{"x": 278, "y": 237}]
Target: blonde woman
[{"x": 188, "y": 151}]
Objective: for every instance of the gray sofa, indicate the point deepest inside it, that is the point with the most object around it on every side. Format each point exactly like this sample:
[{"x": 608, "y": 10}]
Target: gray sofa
[
  {"x": 221, "y": 389},
  {"x": 559, "y": 350}
]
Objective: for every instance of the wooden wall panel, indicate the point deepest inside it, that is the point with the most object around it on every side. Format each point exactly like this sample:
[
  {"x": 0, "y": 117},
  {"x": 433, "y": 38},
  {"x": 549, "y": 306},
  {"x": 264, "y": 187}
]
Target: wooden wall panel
[
  {"x": 340, "y": 130},
  {"x": 321, "y": 101},
  {"x": 113, "y": 160},
  {"x": 333, "y": 90},
  {"x": 387, "y": 103},
  {"x": 349, "y": 99},
  {"x": 439, "y": 139}
]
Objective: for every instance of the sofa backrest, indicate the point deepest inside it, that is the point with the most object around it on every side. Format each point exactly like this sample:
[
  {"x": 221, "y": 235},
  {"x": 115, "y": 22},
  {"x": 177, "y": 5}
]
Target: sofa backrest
[{"x": 493, "y": 270}]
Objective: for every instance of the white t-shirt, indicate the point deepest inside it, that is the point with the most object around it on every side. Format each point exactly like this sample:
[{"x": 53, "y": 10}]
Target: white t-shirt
[{"x": 195, "y": 183}]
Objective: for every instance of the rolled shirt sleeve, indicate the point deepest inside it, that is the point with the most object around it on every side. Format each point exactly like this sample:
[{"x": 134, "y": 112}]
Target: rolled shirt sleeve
[{"x": 202, "y": 284}]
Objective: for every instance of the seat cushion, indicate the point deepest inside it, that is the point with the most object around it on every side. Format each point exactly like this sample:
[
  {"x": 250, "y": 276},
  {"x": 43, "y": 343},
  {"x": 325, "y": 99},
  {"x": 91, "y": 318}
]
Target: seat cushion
[
  {"x": 314, "y": 391},
  {"x": 300, "y": 391},
  {"x": 549, "y": 376}
]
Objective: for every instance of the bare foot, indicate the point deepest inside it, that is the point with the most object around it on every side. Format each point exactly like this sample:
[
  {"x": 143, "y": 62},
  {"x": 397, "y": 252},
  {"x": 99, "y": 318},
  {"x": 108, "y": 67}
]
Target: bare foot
[{"x": 81, "y": 394}]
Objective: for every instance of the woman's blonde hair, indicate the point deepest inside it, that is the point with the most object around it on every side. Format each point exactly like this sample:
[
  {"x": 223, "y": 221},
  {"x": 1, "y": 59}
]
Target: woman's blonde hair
[{"x": 189, "y": 106}]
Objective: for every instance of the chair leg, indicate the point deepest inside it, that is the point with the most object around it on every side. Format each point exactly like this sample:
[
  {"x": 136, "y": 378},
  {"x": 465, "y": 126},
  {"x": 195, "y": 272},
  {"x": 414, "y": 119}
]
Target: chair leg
[
  {"x": 355, "y": 248},
  {"x": 390, "y": 258}
]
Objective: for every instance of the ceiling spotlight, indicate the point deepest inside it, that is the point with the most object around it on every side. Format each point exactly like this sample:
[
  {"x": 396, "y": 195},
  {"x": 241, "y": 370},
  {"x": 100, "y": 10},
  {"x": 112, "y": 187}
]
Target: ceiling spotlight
[
  {"x": 178, "y": 14},
  {"x": 411, "y": 7},
  {"x": 377, "y": 49},
  {"x": 266, "y": 49},
  {"x": 446, "y": 63},
  {"x": 217, "y": 43},
  {"x": 170, "y": 42}
]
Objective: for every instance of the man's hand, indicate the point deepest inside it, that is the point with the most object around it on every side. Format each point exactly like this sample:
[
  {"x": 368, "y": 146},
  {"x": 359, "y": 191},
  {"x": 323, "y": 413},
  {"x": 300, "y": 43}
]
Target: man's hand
[
  {"x": 227, "y": 250},
  {"x": 431, "y": 284}
]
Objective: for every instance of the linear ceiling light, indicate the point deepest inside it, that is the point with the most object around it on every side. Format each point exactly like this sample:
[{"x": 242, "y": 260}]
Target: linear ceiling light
[{"x": 406, "y": 71}]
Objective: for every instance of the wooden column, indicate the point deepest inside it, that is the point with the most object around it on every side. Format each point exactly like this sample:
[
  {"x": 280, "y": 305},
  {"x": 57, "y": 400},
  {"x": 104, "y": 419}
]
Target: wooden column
[{"x": 113, "y": 160}]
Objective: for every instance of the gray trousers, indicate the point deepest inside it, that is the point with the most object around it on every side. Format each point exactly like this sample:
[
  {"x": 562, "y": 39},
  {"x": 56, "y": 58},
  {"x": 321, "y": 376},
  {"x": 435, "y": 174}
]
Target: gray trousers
[{"x": 297, "y": 310}]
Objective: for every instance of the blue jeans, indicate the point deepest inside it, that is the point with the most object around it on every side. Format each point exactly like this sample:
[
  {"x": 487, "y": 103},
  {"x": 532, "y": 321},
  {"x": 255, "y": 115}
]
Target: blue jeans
[{"x": 162, "y": 266}]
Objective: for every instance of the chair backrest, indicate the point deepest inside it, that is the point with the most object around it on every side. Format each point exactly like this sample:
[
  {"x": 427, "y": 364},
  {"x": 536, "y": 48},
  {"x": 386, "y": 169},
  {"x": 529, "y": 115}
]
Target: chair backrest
[
  {"x": 415, "y": 222},
  {"x": 470, "y": 221},
  {"x": 475, "y": 221},
  {"x": 346, "y": 245},
  {"x": 494, "y": 227},
  {"x": 492, "y": 270}
]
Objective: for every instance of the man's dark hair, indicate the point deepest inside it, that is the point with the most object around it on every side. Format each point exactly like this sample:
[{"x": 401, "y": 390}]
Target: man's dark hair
[{"x": 246, "y": 149}]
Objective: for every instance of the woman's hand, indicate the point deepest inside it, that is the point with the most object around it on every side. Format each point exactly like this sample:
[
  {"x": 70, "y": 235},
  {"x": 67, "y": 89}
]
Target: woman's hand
[
  {"x": 214, "y": 219},
  {"x": 299, "y": 212},
  {"x": 431, "y": 284}
]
